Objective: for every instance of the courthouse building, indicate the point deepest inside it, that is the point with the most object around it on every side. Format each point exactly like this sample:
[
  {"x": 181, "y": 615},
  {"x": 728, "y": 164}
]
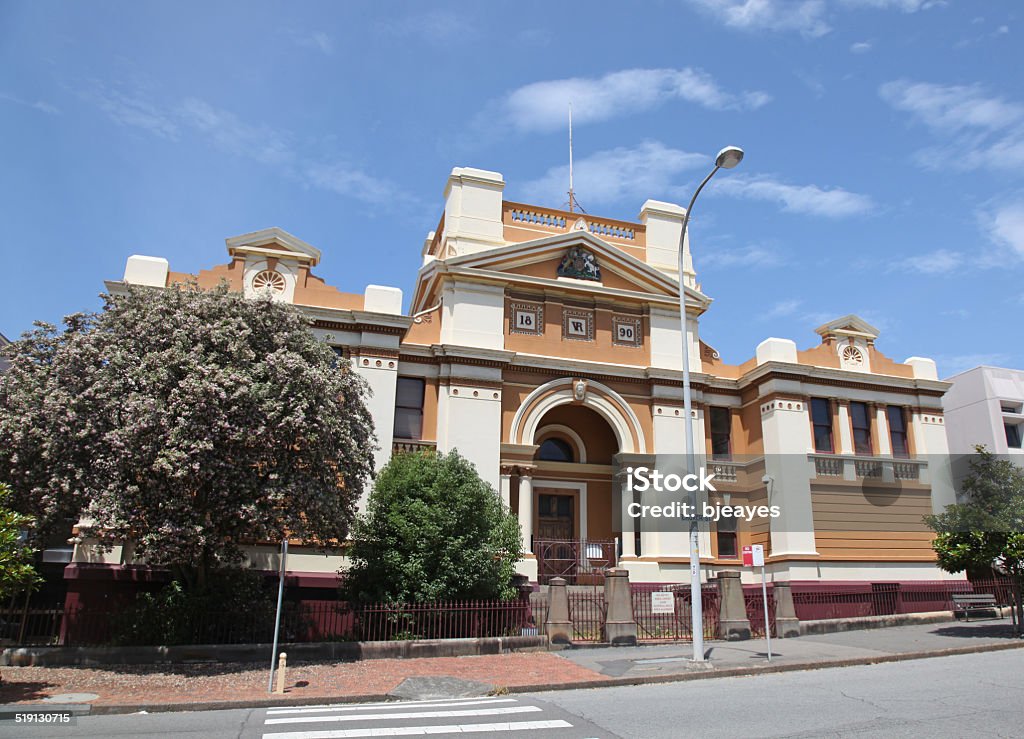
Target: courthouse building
[{"x": 546, "y": 347}]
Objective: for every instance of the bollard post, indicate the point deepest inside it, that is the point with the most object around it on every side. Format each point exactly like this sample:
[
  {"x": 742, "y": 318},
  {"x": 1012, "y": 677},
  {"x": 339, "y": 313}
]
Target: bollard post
[
  {"x": 786, "y": 623},
  {"x": 558, "y": 627},
  {"x": 282, "y": 663},
  {"x": 619, "y": 624}
]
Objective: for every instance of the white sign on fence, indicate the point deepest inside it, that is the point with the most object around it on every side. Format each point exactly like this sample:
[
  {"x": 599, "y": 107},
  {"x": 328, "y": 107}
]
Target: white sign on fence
[{"x": 662, "y": 603}]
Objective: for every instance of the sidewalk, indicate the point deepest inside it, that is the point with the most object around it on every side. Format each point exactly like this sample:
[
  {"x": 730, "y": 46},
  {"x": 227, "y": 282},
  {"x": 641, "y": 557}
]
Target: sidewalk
[{"x": 132, "y": 688}]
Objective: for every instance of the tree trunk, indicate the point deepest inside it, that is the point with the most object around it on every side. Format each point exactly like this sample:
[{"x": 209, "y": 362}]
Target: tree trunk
[{"x": 1017, "y": 605}]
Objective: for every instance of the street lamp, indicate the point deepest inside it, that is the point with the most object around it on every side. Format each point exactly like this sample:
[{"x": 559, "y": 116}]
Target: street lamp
[{"x": 727, "y": 158}]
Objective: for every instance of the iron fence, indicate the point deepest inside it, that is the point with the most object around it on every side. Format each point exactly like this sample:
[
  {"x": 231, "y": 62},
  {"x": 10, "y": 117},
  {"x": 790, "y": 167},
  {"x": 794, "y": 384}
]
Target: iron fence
[
  {"x": 753, "y": 600},
  {"x": 442, "y": 620},
  {"x": 677, "y": 625},
  {"x": 587, "y": 611},
  {"x": 32, "y": 625},
  {"x": 579, "y": 561},
  {"x": 815, "y": 601}
]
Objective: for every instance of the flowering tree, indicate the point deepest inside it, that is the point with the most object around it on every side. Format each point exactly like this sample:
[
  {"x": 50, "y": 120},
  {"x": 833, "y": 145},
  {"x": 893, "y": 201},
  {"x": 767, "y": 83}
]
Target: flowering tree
[{"x": 188, "y": 422}]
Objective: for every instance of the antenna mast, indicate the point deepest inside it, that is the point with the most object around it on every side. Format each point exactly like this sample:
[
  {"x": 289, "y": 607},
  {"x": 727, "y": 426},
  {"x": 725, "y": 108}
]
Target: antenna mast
[{"x": 573, "y": 205}]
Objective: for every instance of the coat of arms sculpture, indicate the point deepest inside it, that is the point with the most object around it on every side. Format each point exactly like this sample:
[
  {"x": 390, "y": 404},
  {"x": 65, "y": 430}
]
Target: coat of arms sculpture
[{"x": 581, "y": 264}]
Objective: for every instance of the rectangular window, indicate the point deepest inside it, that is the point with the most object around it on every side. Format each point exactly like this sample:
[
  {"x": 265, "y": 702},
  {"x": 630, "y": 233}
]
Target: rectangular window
[
  {"x": 861, "y": 422},
  {"x": 728, "y": 545},
  {"x": 721, "y": 433},
  {"x": 1013, "y": 435},
  {"x": 409, "y": 408},
  {"x": 821, "y": 418},
  {"x": 897, "y": 431}
]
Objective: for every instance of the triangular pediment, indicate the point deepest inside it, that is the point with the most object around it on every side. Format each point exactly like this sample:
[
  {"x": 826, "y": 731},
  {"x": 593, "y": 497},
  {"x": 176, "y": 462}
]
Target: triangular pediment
[
  {"x": 849, "y": 325},
  {"x": 273, "y": 242},
  {"x": 542, "y": 260}
]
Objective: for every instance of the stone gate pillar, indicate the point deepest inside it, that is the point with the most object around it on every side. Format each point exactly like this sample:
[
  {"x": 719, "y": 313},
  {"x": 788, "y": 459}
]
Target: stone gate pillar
[
  {"x": 619, "y": 623},
  {"x": 733, "y": 624}
]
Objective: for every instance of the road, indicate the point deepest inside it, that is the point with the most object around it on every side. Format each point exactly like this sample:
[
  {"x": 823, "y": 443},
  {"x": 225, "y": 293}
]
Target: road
[{"x": 977, "y": 695}]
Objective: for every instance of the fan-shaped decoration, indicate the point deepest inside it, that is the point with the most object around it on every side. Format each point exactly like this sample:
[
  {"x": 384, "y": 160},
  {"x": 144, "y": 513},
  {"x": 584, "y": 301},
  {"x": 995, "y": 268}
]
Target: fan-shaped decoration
[
  {"x": 269, "y": 279},
  {"x": 852, "y": 355}
]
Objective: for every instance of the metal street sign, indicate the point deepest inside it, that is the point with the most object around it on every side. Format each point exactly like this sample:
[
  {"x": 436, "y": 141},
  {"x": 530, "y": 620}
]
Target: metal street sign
[
  {"x": 663, "y": 603},
  {"x": 753, "y": 555}
]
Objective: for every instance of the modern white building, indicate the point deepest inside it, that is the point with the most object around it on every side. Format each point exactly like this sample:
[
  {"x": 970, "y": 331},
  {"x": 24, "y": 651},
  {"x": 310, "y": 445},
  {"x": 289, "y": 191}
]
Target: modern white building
[{"x": 985, "y": 406}]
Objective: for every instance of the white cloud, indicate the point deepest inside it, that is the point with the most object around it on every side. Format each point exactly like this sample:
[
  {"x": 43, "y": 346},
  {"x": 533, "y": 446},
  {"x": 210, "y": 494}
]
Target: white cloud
[
  {"x": 951, "y": 107},
  {"x": 939, "y": 262},
  {"x": 781, "y": 309},
  {"x": 1005, "y": 226},
  {"x": 860, "y": 47},
  {"x": 134, "y": 112},
  {"x": 975, "y": 129},
  {"x": 544, "y": 106},
  {"x": 260, "y": 143},
  {"x": 746, "y": 256},
  {"x": 952, "y": 364},
  {"x": 40, "y": 105},
  {"x": 317, "y": 40},
  {"x": 433, "y": 26},
  {"x": 611, "y": 175},
  {"x": 807, "y": 17},
  {"x": 804, "y": 16},
  {"x": 808, "y": 199}
]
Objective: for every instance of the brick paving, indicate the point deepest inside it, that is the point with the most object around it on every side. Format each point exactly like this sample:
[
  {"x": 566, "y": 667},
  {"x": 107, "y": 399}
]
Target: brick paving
[{"x": 214, "y": 683}]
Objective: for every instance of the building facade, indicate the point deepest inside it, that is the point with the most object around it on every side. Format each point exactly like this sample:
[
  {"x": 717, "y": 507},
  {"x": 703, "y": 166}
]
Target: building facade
[
  {"x": 546, "y": 347},
  {"x": 985, "y": 406}
]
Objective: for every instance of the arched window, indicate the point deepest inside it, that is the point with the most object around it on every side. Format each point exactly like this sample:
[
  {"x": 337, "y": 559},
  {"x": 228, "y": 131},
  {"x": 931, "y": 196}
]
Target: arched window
[{"x": 555, "y": 450}]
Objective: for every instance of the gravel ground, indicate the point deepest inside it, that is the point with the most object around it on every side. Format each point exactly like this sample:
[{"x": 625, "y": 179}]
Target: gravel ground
[{"x": 195, "y": 683}]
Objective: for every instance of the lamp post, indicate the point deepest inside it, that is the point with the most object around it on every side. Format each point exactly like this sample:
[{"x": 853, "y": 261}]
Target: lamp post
[{"x": 727, "y": 158}]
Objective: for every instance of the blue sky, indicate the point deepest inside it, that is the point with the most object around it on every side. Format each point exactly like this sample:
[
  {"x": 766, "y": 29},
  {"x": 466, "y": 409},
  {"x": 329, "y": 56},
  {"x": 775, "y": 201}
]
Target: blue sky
[{"x": 884, "y": 172}]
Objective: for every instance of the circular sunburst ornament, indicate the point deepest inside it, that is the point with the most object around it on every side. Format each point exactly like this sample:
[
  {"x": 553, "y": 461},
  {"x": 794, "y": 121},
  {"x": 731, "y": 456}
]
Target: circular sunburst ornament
[
  {"x": 853, "y": 356},
  {"x": 269, "y": 279}
]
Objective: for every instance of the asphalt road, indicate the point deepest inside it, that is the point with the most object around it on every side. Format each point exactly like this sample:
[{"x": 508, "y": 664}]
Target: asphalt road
[{"x": 977, "y": 695}]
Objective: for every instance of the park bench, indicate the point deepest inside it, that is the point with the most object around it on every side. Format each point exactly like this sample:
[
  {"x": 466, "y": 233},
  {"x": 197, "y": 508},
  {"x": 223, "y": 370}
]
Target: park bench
[{"x": 974, "y": 601}]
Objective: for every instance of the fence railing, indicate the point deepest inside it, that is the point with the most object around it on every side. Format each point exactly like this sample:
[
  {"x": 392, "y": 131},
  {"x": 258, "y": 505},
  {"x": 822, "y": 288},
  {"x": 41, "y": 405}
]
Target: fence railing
[
  {"x": 579, "y": 561},
  {"x": 32, "y": 625},
  {"x": 753, "y": 600},
  {"x": 587, "y": 612},
  {"x": 675, "y": 626},
  {"x": 306, "y": 621},
  {"x": 814, "y": 601}
]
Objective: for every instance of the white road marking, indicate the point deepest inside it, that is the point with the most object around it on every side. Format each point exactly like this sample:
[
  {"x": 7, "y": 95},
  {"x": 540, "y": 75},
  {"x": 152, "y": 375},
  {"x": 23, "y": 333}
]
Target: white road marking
[
  {"x": 394, "y": 705},
  {"x": 423, "y": 730},
  {"x": 424, "y": 701},
  {"x": 407, "y": 714}
]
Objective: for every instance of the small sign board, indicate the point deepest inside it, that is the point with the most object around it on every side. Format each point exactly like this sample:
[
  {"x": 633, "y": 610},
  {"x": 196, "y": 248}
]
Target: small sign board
[
  {"x": 753, "y": 555},
  {"x": 662, "y": 603}
]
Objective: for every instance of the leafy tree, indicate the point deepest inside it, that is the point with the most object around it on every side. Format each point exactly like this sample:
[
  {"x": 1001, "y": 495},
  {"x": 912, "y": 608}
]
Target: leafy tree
[
  {"x": 16, "y": 570},
  {"x": 189, "y": 422},
  {"x": 987, "y": 529},
  {"x": 433, "y": 530}
]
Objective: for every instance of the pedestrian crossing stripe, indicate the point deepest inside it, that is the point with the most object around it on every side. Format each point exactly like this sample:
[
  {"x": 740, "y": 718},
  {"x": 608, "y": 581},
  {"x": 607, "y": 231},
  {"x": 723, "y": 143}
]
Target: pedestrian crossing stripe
[
  {"x": 391, "y": 705},
  {"x": 424, "y": 730},
  {"x": 404, "y": 715}
]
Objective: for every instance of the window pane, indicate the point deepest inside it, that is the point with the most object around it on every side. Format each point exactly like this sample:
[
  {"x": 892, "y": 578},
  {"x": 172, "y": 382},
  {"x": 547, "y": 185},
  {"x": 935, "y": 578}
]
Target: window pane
[
  {"x": 897, "y": 431},
  {"x": 409, "y": 393},
  {"x": 727, "y": 545},
  {"x": 555, "y": 450},
  {"x": 1013, "y": 435},
  {"x": 821, "y": 416},
  {"x": 408, "y": 423},
  {"x": 721, "y": 433},
  {"x": 861, "y": 428}
]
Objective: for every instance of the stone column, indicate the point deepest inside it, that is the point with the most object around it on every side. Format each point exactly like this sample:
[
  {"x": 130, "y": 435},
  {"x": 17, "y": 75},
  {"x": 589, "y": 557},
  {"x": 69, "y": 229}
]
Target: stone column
[
  {"x": 786, "y": 623},
  {"x": 733, "y": 624},
  {"x": 619, "y": 623},
  {"x": 558, "y": 626},
  {"x": 526, "y": 511},
  {"x": 505, "y": 486},
  {"x": 628, "y": 522}
]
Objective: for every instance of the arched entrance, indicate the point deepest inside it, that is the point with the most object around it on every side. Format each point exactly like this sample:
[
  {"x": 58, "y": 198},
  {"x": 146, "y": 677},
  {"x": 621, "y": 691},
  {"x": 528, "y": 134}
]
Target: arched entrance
[{"x": 572, "y": 494}]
